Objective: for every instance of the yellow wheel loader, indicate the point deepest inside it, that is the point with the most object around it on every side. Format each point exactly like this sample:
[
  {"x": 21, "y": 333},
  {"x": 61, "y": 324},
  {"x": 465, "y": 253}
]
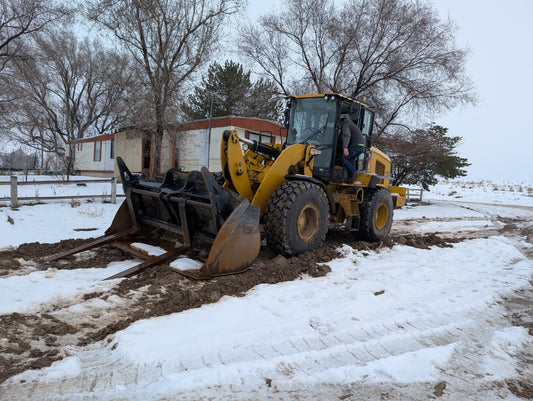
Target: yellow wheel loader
[{"x": 296, "y": 190}]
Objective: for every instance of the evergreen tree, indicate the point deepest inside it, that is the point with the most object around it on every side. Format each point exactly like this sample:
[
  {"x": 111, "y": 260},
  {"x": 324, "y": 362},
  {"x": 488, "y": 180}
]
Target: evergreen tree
[
  {"x": 423, "y": 155},
  {"x": 228, "y": 90}
]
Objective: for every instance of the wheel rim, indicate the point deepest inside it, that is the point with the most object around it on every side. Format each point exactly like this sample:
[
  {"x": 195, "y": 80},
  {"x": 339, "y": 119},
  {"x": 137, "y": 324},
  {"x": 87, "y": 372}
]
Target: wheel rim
[
  {"x": 308, "y": 222},
  {"x": 382, "y": 216}
]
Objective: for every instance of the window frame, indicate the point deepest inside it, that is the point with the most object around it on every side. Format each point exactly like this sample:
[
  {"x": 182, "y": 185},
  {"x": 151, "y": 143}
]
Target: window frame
[
  {"x": 112, "y": 149},
  {"x": 97, "y": 155}
]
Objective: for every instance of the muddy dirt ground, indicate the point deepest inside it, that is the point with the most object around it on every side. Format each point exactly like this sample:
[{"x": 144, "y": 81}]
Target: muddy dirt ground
[{"x": 34, "y": 341}]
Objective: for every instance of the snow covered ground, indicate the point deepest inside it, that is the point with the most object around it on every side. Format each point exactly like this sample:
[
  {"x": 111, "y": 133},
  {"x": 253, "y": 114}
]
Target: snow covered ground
[
  {"x": 395, "y": 323},
  {"x": 495, "y": 192}
]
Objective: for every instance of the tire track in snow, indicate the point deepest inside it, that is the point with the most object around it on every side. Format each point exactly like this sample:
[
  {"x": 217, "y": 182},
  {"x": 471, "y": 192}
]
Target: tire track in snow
[{"x": 103, "y": 371}]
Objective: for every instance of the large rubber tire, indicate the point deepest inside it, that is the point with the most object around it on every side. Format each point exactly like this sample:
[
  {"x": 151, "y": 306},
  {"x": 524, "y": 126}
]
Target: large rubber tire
[
  {"x": 296, "y": 219},
  {"x": 376, "y": 215}
]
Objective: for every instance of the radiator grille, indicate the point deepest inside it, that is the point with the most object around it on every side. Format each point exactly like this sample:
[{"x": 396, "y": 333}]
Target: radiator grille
[{"x": 380, "y": 169}]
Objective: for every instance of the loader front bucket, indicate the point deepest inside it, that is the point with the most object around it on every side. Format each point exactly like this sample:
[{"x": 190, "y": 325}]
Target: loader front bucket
[
  {"x": 186, "y": 215},
  {"x": 236, "y": 245},
  {"x": 195, "y": 214}
]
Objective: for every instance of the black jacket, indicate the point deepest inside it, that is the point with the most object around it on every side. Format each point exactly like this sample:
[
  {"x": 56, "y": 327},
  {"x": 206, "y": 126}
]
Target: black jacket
[{"x": 351, "y": 134}]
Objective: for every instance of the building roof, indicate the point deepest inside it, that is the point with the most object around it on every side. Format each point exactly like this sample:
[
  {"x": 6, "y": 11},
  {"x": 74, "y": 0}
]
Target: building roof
[
  {"x": 104, "y": 137},
  {"x": 247, "y": 123}
]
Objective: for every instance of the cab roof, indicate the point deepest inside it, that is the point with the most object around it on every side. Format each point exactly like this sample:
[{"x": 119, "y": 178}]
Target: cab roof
[{"x": 311, "y": 95}]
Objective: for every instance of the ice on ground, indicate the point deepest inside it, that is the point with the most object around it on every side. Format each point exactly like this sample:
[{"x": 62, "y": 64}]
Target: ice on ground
[
  {"x": 451, "y": 226},
  {"x": 439, "y": 210}
]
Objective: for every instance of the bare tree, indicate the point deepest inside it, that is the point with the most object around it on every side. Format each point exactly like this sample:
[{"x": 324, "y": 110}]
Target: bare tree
[
  {"x": 398, "y": 56},
  {"x": 69, "y": 89},
  {"x": 20, "y": 19},
  {"x": 169, "y": 40}
]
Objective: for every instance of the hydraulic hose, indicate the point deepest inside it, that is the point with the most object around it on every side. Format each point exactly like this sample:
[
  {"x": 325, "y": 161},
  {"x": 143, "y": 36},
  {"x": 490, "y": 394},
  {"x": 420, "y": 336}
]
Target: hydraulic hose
[{"x": 258, "y": 147}]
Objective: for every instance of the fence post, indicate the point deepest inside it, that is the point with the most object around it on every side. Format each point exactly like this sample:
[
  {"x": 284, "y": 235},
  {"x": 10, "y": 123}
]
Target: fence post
[
  {"x": 114, "y": 190},
  {"x": 14, "y": 191},
  {"x": 421, "y": 190}
]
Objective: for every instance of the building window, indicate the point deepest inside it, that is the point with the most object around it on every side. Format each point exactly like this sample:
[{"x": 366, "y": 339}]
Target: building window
[
  {"x": 97, "y": 151},
  {"x": 80, "y": 146},
  {"x": 112, "y": 149}
]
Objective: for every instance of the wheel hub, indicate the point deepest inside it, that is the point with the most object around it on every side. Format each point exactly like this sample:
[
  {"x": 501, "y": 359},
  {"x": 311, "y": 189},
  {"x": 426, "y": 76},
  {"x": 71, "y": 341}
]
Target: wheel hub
[
  {"x": 308, "y": 222},
  {"x": 382, "y": 215}
]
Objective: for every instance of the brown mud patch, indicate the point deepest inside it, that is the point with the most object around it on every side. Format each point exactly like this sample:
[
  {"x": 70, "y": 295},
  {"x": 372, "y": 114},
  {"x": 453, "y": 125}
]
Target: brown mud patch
[
  {"x": 36, "y": 341},
  {"x": 169, "y": 292},
  {"x": 519, "y": 308},
  {"x": 10, "y": 260},
  {"x": 520, "y": 313},
  {"x": 520, "y": 388},
  {"x": 30, "y": 342}
]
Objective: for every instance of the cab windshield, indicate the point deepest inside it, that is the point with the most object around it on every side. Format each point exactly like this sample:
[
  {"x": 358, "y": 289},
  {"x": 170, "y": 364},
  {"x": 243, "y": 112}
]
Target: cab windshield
[{"x": 312, "y": 121}]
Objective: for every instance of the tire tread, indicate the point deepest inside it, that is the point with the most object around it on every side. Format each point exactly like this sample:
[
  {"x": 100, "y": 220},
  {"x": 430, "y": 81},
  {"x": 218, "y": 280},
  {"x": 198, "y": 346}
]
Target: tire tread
[{"x": 277, "y": 216}]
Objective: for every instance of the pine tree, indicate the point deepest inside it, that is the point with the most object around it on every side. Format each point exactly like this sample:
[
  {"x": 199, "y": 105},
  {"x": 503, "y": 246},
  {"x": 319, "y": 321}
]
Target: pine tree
[
  {"x": 423, "y": 155},
  {"x": 228, "y": 90}
]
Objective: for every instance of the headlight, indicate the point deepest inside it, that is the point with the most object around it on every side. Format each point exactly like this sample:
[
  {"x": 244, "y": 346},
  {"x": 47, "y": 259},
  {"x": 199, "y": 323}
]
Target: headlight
[{"x": 314, "y": 152}]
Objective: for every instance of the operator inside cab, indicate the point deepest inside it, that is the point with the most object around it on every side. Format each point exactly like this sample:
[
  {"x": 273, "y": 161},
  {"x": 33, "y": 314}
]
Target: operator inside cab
[{"x": 353, "y": 144}]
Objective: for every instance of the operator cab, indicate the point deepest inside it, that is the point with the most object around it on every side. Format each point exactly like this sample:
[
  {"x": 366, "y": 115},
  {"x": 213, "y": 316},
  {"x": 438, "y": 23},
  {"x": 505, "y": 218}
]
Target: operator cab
[{"x": 315, "y": 120}]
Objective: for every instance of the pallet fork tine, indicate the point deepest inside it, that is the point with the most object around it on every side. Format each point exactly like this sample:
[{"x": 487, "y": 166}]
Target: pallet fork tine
[{"x": 105, "y": 239}]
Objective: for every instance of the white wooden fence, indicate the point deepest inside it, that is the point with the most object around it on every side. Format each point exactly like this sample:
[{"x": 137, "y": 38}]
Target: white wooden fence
[
  {"x": 414, "y": 194},
  {"x": 14, "y": 184}
]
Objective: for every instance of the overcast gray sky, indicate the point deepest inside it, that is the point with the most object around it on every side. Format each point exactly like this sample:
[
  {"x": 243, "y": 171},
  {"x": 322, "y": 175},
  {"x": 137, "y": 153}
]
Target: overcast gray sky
[{"x": 497, "y": 133}]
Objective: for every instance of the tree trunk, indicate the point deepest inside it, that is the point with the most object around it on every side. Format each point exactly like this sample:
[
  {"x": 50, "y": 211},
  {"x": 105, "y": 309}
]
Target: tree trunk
[
  {"x": 157, "y": 139},
  {"x": 156, "y": 155}
]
